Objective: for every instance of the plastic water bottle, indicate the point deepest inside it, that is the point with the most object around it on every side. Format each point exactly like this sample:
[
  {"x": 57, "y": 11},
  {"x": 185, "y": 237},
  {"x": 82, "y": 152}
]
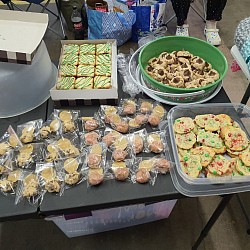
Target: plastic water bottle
[{"x": 77, "y": 24}]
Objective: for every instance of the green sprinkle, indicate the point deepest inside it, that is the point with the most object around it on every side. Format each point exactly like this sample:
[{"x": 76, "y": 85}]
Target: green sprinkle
[
  {"x": 218, "y": 157},
  {"x": 178, "y": 120},
  {"x": 185, "y": 158},
  {"x": 233, "y": 174},
  {"x": 214, "y": 172},
  {"x": 206, "y": 136},
  {"x": 189, "y": 139},
  {"x": 199, "y": 168},
  {"x": 212, "y": 141},
  {"x": 206, "y": 155},
  {"x": 241, "y": 163},
  {"x": 241, "y": 173},
  {"x": 249, "y": 169},
  {"x": 243, "y": 146}
]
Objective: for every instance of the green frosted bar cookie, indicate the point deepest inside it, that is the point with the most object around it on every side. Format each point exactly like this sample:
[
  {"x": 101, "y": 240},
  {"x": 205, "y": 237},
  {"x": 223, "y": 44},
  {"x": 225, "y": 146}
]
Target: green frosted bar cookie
[
  {"x": 87, "y": 59},
  {"x": 70, "y": 59},
  {"x": 71, "y": 49},
  {"x": 103, "y": 48},
  {"x": 103, "y": 70},
  {"x": 85, "y": 70},
  {"x": 87, "y": 49},
  {"x": 65, "y": 83},
  {"x": 103, "y": 59},
  {"x": 67, "y": 70},
  {"x": 84, "y": 83},
  {"x": 102, "y": 82}
]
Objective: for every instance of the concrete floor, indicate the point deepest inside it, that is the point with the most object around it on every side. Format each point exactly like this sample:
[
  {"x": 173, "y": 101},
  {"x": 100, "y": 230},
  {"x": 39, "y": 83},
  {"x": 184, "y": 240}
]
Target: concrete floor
[{"x": 182, "y": 228}]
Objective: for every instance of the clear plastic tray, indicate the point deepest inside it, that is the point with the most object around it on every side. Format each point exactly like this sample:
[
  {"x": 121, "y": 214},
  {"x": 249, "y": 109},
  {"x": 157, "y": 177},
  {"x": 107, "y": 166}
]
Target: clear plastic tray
[{"x": 238, "y": 112}]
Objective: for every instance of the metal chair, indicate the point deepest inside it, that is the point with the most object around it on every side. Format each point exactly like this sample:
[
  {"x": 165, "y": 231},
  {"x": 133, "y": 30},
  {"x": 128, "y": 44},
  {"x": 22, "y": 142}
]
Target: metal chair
[
  {"x": 44, "y": 6},
  {"x": 192, "y": 6}
]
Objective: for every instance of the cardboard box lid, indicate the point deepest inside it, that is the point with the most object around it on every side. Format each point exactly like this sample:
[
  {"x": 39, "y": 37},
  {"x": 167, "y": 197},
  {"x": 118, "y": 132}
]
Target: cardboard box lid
[{"x": 21, "y": 32}]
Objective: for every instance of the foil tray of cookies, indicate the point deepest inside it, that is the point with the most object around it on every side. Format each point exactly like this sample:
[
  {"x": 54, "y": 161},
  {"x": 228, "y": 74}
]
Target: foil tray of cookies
[
  {"x": 122, "y": 143},
  {"x": 211, "y": 143},
  {"x": 86, "y": 70}
]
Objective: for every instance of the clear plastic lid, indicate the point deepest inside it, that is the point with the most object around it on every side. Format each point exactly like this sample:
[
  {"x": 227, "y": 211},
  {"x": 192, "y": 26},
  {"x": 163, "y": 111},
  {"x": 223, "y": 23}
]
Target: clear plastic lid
[{"x": 238, "y": 112}]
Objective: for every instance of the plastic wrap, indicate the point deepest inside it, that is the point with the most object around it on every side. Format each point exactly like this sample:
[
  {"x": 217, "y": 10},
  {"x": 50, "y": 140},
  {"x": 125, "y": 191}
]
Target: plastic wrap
[
  {"x": 106, "y": 112},
  {"x": 110, "y": 136},
  {"x": 138, "y": 141},
  {"x": 27, "y": 155},
  {"x": 144, "y": 171},
  {"x": 9, "y": 180},
  {"x": 156, "y": 142},
  {"x": 162, "y": 165},
  {"x": 29, "y": 131},
  {"x": 6, "y": 163},
  {"x": 128, "y": 85},
  {"x": 52, "y": 152},
  {"x": 91, "y": 123},
  {"x": 120, "y": 124},
  {"x": 8, "y": 142},
  {"x": 145, "y": 106},
  {"x": 158, "y": 115},
  {"x": 50, "y": 178},
  {"x": 28, "y": 188},
  {"x": 51, "y": 128},
  {"x": 69, "y": 119},
  {"x": 128, "y": 106},
  {"x": 90, "y": 138}
]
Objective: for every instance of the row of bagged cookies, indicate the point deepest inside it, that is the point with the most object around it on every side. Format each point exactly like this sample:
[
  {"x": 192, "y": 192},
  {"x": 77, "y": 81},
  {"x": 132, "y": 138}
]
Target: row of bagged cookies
[
  {"x": 30, "y": 153},
  {"x": 86, "y": 66},
  {"x": 212, "y": 146}
]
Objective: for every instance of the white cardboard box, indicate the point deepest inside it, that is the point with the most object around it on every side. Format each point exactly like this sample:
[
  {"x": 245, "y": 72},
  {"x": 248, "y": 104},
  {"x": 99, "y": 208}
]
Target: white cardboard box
[
  {"x": 113, "y": 218},
  {"x": 20, "y": 35},
  {"x": 89, "y": 96}
]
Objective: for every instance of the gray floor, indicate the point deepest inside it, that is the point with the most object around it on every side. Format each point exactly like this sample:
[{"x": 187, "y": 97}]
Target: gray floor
[{"x": 189, "y": 216}]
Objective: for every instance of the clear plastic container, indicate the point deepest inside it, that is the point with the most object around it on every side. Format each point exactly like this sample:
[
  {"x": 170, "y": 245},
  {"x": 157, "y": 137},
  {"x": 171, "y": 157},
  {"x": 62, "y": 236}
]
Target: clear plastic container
[
  {"x": 238, "y": 112},
  {"x": 25, "y": 87}
]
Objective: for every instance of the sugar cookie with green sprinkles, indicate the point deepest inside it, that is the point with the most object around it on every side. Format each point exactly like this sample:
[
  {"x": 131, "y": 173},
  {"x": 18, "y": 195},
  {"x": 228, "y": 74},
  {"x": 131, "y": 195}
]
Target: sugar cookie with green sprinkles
[
  {"x": 201, "y": 120},
  {"x": 87, "y": 49},
  {"x": 85, "y": 70},
  {"x": 219, "y": 166},
  {"x": 102, "y": 82},
  {"x": 209, "y": 139},
  {"x": 183, "y": 125},
  {"x": 103, "y": 48},
  {"x": 65, "y": 83},
  {"x": 84, "y": 83},
  {"x": 191, "y": 164},
  {"x": 212, "y": 124},
  {"x": 103, "y": 70},
  {"x": 103, "y": 59},
  {"x": 185, "y": 141},
  {"x": 221, "y": 150},
  {"x": 71, "y": 49},
  {"x": 236, "y": 139},
  {"x": 233, "y": 163},
  {"x": 71, "y": 59},
  {"x": 245, "y": 157},
  {"x": 85, "y": 59},
  {"x": 207, "y": 154},
  {"x": 67, "y": 70},
  {"x": 210, "y": 175},
  {"x": 242, "y": 168},
  {"x": 225, "y": 120}
]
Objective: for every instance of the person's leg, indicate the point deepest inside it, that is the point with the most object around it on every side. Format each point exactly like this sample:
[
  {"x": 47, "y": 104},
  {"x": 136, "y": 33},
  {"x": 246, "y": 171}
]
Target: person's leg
[
  {"x": 214, "y": 14},
  {"x": 181, "y": 8}
]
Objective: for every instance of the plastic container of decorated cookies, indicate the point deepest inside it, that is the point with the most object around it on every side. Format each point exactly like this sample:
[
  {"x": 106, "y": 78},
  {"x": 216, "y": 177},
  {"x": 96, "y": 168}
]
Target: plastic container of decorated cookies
[
  {"x": 210, "y": 143},
  {"x": 87, "y": 70}
]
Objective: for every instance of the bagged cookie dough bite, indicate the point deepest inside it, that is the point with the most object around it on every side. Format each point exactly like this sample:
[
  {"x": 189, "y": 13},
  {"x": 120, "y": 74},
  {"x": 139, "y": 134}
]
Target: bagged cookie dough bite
[
  {"x": 50, "y": 178},
  {"x": 8, "y": 181},
  {"x": 137, "y": 121},
  {"x": 107, "y": 112},
  {"x": 120, "y": 171},
  {"x": 52, "y": 152},
  {"x": 127, "y": 106},
  {"x": 156, "y": 142},
  {"x": 95, "y": 156},
  {"x": 95, "y": 177},
  {"x": 51, "y": 128},
  {"x": 145, "y": 106},
  {"x": 29, "y": 189},
  {"x": 91, "y": 123},
  {"x": 120, "y": 124},
  {"x": 29, "y": 131},
  {"x": 162, "y": 165},
  {"x": 27, "y": 155},
  {"x": 8, "y": 142},
  {"x": 144, "y": 171},
  {"x": 68, "y": 145},
  {"x": 110, "y": 136},
  {"x": 158, "y": 115},
  {"x": 90, "y": 138},
  {"x": 121, "y": 149},
  {"x": 69, "y": 119},
  {"x": 6, "y": 163},
  {"x": 138, "y": 141},
  {"x": 73, "y": 170}
]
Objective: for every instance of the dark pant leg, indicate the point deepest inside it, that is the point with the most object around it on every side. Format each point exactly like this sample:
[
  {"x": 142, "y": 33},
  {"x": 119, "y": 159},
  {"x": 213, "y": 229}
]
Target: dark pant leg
[
  {"x": 215, "y": 9},
  {"x": 181, "y": 8}
]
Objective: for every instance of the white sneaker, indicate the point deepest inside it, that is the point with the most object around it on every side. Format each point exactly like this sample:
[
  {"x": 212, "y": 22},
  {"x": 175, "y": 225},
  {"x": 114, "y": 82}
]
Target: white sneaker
[
  {"x": 213, "y": 36},
  {"x": 182, "y": 30}
]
